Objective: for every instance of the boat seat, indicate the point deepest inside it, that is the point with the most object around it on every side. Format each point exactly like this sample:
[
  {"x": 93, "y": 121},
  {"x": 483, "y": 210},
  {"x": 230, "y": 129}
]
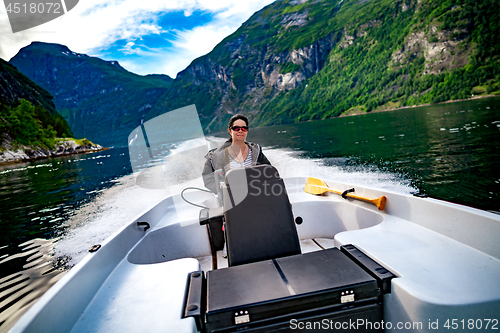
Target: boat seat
[{"x": 258, "y": 216}]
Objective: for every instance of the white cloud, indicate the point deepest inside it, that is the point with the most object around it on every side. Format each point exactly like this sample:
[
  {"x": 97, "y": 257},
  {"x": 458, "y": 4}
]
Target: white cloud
[
  {"x": 94, "y": 25},
  {"x": 193, "y": 44}
]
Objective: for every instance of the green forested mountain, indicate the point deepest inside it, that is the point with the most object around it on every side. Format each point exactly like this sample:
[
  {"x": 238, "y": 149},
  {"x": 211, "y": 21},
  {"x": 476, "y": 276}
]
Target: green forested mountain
[
  {"x": 398, "y": 53},
  {"x": 302, "y": 60},
  {"x": 27, "y": 113},
  {"x": 295, "y": 60}
]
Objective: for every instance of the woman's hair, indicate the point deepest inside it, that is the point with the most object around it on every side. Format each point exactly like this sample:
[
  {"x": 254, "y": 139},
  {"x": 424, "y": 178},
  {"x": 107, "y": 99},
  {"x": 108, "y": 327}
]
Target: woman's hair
[{"x": 237, "y": 117}]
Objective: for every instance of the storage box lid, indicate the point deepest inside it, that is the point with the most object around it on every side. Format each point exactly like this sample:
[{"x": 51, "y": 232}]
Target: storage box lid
[{"x": 298, "y": 281}]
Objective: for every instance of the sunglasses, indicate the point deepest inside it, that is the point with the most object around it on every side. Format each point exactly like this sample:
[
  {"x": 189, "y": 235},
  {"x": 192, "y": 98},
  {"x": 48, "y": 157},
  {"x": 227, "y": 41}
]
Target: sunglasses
[{"x": 239, "y": 128}]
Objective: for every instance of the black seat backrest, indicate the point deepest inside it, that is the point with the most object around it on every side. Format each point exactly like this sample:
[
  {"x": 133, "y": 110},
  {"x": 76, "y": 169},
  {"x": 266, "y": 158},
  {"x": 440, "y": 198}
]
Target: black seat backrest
[{"x": 258, "y": 215}]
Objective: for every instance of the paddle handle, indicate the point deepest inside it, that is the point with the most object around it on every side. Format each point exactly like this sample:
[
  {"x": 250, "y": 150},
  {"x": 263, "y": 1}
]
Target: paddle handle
[{"x": 380, "y": 202}]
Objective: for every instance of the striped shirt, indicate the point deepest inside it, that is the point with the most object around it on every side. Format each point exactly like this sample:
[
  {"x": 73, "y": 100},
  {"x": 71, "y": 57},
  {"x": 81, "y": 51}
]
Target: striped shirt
[{"x": 233, "y": 164}]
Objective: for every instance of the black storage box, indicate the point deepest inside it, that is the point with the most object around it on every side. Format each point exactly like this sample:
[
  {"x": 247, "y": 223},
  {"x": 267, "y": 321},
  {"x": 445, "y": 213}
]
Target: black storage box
[{"x": 315, "y": 291}]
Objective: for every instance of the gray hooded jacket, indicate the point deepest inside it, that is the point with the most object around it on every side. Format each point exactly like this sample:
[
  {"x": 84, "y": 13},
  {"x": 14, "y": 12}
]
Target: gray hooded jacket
[{"x": 216, "y": 159}]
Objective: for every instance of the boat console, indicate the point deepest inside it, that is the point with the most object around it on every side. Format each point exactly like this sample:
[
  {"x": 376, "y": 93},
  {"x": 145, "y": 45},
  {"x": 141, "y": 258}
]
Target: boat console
[{"x": 269, "y": 284}]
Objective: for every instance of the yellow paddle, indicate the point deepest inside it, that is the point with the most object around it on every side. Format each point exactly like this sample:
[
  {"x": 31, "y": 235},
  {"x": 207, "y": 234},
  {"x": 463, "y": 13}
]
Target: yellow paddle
[{"x": 317, "y": 186}]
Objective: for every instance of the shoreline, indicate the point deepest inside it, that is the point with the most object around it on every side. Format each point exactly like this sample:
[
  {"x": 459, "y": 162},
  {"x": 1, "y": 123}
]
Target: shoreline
[
  {"x": 419, "y": 105},
  {"x": 24, "y": 154}
]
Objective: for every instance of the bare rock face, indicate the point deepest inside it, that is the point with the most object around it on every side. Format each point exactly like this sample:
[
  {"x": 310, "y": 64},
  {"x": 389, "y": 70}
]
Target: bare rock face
[
  {"x": 310, "y": 60},
  {"x": 441, "y": 52},
  {"x": 295, "y": 20}
]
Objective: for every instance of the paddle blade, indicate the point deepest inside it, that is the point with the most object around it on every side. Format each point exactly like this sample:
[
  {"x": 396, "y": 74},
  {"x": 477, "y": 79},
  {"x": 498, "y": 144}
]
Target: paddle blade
[
  {"x": 380, "y": 202},
  {"x": 315, "y": 186}
]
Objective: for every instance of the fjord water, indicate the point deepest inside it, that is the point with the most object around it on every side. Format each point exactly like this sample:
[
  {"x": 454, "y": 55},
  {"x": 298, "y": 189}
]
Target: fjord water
[
  {"x": 53, "y": 210},
  {"x": 37, "y": 199},
  {"x": 448, "y": 151}
]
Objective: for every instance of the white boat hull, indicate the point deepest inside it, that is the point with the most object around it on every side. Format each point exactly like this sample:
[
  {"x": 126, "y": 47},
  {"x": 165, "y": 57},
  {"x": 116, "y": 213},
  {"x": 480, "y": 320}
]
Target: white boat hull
[{"x": 446, "y": 258}]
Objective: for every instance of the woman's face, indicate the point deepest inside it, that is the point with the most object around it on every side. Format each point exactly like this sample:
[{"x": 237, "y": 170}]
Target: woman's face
[{"x": 239, "y": 135}]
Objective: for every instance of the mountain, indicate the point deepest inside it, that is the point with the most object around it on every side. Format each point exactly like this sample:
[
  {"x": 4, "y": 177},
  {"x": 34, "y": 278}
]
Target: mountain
[
  {"x": 302, "y": 60},
  {"x": 15, "y": 86},
  {"x": 30, "y": 127},
  {"x": 27, "y": 113},
  {"x": 292, "y": 61},
  {"x": 100, "y": 99}
]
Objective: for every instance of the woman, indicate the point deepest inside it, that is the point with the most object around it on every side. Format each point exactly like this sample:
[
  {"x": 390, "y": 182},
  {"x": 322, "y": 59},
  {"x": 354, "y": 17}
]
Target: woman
[{"x": 234, "y": 153}]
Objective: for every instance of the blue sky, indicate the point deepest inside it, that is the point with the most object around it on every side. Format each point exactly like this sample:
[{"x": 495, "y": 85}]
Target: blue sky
[{"x": 145, "y": 36}]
